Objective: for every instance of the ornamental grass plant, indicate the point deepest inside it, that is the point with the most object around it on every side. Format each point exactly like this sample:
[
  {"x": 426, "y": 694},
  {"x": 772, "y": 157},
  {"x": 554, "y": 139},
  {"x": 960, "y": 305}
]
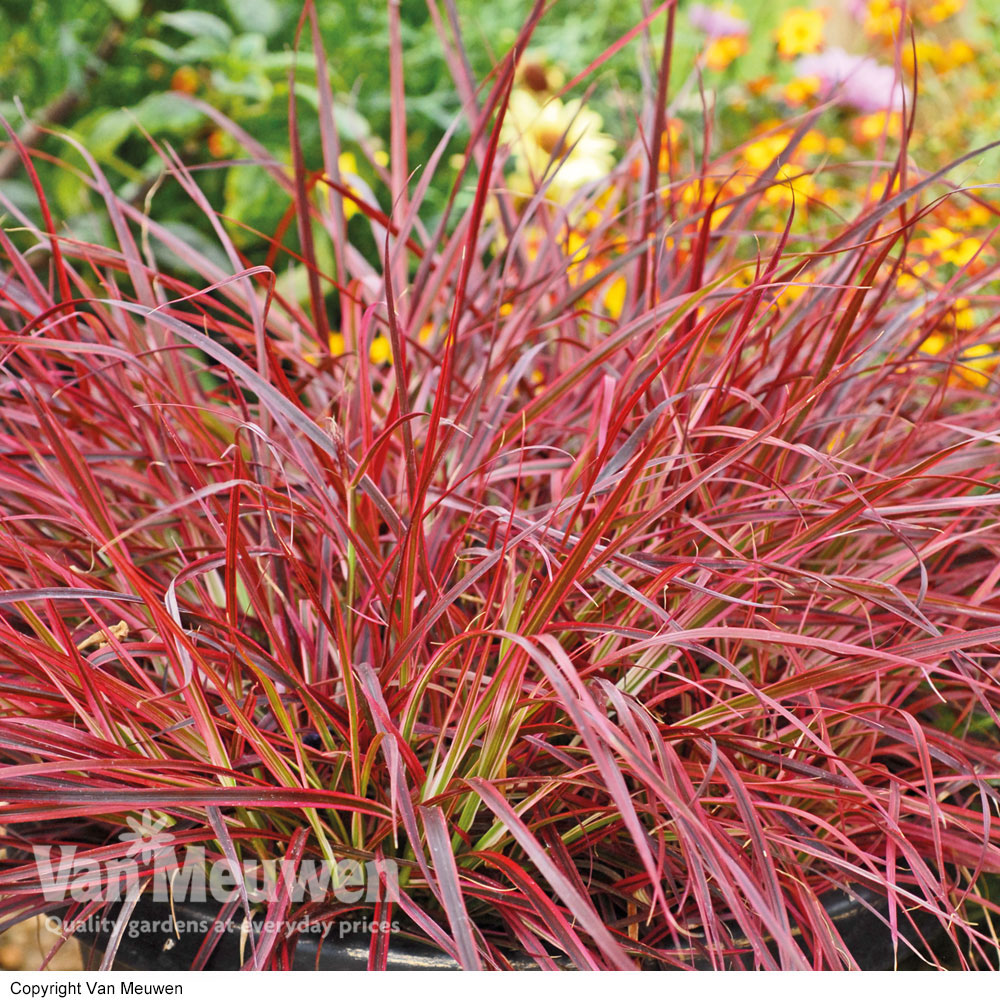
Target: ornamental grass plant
[{"x": 616, "y": 567}]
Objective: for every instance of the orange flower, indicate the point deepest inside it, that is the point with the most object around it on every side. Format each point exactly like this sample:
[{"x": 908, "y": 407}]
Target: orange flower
[
  {"x": 218, "y": 143},
  {"x": 720, "y": 52},
  {"x": 185, "y": 80},
  {"x": 870, "y": 127},
  {"x": 802, "y": 89}
]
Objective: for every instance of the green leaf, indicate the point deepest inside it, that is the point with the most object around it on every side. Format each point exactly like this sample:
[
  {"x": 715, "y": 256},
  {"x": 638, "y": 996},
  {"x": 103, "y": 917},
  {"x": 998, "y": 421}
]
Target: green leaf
[
  {"x": 124, "y": 10},
  {"x": 198, "y": 24},
  {"x": 22, "y": 194},
  {"x": 351, "y": 125},
  {"x": 250, "y": 47},
  {"x": 254, "y": 198},
  {"x": 167, "y": 112},
  {"x": 261, "y": 15},
  {"x": 108, "y": 132},
  {"x": 204, "y": 49},
  {"x": 158, "y": 50},
  {"x": 71, "y": 194},
  {"x": 253, "y": 86},
  {"x": 284, "y": 61},
  {"x": 197, "y": 240}
]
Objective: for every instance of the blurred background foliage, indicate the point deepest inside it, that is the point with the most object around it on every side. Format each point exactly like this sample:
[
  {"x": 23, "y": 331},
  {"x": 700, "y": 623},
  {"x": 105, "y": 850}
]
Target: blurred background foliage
[
  {"x": 115, "y": 73},
  {"x": 112, "y": 70}
]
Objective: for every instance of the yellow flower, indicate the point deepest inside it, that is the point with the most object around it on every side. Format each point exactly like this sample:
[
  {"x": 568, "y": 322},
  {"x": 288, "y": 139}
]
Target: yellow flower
[
  {"x": 949, "y": 246},
  {"x": 873, "y": 126},
  {"x": 978, "y": 215},
  {"x": 964, "y": 315},
  {"x": 813, "y": 142},
  {"x": 690, "y": 194},
  {"x": 614, "y": 297},
  {"x": 909, "y": 282},
  {"x": 720, "y": 52},
  {"x": 672, "y": 136},
  {"x": 941, "y": 58},
  {"x": 761, "y": 153},
  {"x": 561, "y": 142},
  {"x": 800, "y": 32},
  {"x": 579, "y": 262},
  {"x": 883, "y": 189},
  {"x": 795, "y": 290},
  {"x": 790, "y": 183},
  {"x": 698, "y": 194},
  {"x": 977, "y": 363},
  {"x": 958, "y": 53},
  {"x": 576, "y": 247},
  {"x": 802, "y": 89},
  {"x": 347, "y": 164},
  {"x": 535, "y": 73},
  {"x": 380, "y": 352},
  {"x": 335, "y": 341},
  {"x": 962, "y": 252},
  {"x": 939, "y": 239},
  {"x": 941, "y": 10},
  {"x": 883, "y": 18},
  {"x": 936, "y": 343},
  {"x": 928, "y": 53}
]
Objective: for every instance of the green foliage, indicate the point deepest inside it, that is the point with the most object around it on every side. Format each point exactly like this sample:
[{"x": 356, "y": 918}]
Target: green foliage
[{"x": 239, "y": 57}]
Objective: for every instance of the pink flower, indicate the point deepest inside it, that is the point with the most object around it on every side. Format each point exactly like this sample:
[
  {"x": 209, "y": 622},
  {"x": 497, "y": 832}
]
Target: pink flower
[
  {"x": 716, "y": 22},
  {"x": 856, "y": 80}
]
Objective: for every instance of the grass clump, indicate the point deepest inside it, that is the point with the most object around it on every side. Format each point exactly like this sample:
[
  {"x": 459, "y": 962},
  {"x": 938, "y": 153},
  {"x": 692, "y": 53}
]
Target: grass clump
[{"x": 620, "y": 569}]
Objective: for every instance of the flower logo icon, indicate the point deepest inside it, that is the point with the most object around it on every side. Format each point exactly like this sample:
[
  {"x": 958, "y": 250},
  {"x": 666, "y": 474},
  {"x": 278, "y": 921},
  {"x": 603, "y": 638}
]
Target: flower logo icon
[{"x": 147, "y": 837}]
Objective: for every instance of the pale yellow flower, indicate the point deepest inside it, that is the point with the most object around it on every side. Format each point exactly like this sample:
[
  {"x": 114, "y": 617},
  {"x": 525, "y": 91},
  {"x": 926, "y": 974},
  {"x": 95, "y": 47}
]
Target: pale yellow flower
[{"x": 564, "y": 142}]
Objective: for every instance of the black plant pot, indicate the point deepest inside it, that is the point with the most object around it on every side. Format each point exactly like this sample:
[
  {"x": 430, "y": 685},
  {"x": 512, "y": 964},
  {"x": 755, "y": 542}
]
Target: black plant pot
[
  {"x": 866, "y": 936},
  {"x": 173, "y": 938},
  {"x": 861, "y": 918}
]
